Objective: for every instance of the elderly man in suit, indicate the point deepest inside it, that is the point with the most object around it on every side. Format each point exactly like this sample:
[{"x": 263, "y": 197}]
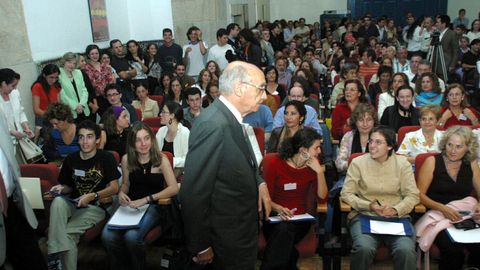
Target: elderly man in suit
[
  {"x": 449, "y": 43},
  {"x": 18, "y": 242},
  {"x": 222, "y": 189}
]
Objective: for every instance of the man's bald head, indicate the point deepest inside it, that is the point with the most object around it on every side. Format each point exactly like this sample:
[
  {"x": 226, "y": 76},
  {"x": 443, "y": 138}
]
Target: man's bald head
[
  {"x": 243, "y": 84},
  {"x": 297, "y": 93}
]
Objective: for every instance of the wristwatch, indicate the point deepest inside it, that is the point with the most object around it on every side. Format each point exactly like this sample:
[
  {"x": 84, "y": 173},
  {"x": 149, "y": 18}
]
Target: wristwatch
[{"x": 96, "y": 197}]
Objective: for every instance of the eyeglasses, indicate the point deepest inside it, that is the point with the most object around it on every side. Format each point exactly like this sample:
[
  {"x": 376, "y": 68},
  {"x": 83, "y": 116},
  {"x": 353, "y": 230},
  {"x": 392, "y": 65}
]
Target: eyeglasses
[
  {"x": 377, "y": 142},
  {"x": 164, "y": 112},
  {"x": 262, "y": 87}
]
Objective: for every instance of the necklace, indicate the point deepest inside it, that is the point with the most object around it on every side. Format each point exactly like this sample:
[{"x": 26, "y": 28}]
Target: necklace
[
  {"x": 298, "y": 165},
  {"x": 145, "y": 167}
]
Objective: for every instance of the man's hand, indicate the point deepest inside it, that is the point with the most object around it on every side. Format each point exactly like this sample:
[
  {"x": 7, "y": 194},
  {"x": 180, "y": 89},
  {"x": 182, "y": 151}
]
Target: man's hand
[
  {"x": 85, "y": 199},
  {"x": 205, "y": 257},
  {"x": 264, "y": 199}
]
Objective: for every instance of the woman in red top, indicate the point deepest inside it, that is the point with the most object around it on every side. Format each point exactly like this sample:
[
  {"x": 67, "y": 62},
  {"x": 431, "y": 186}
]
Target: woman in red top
[
  {"x": 353, "y": 94},
  {"x": 456, "y": 109},
  {"x": 290, "y": 176},
  {"x": 45, "y": 90}
]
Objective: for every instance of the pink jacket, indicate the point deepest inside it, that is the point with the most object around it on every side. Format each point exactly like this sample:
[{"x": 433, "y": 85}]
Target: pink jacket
[{"x": 432, "y": 222}]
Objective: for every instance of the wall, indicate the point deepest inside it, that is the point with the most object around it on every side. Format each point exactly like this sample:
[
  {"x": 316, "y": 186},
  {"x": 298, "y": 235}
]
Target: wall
[
  {"x": 471, "y": 6},
  {"x": 309, "y": 9},
  {"x": 55, "y": 27}
]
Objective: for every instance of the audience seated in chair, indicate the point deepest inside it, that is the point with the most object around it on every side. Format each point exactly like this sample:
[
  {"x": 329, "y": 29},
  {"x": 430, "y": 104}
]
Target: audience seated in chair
[
  {"x": 116, "y": 125},
  {"x": 61, "y": 138},
  {"x": 148, "y": 106},
  {"x": 147, "y": 178},
  {"x": 425, "y": 139},
  {"x": 445, "y": 181},
  {"x": 289, "y": 177},
  {"x": 87, "y": 176},
  {"x": 380, "y": 183}
]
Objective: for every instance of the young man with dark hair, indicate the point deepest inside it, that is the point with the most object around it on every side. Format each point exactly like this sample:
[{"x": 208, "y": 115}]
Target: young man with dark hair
[
  {"x": 368, "y": 67},
  {"x": 233, "y": 29},
  {"x": 86, "y": 177},
  {"x": 124, "y": 70},
  {"x": 217, "y": 52},
  {"x": 170, "y": 53},
  {"x": 194, "y": 51},
  {"x": 185, "y": 80},
  {"x": 194, "y": 101},
  {"x": 449, "y": 43},
  {"x": 114, "y": 98}
]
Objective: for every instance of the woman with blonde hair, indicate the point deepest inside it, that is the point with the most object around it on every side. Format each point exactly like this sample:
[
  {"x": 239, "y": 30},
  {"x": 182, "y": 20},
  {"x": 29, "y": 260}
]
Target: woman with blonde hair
[{"x": 456, "y": 109}]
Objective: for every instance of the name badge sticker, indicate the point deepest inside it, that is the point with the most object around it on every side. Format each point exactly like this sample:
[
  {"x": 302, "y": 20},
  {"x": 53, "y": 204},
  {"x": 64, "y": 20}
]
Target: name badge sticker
[
  {"x": 290, "y": 186},
  {"x": 462, "y": 117},
  {"x": 80, "y": 173}
]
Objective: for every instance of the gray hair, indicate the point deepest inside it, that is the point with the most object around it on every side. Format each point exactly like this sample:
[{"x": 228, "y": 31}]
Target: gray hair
[
  {"x": 67, "y": 57},
  {"x": 232, "y": 76},
  {"x": 425, "y": 62}
]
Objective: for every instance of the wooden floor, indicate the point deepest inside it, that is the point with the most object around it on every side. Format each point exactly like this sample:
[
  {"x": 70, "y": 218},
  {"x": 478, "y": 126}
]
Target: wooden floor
[{"x": 93, "y": 257}]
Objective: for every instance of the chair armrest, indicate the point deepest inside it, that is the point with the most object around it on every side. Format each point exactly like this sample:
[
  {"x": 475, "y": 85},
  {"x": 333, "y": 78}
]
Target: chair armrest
[
  {"x": 166, "y": 201},
  {"x": 420, "y": 209},
  {"x": 322, "y": 207},
  {"x": 345, "y": 207}
]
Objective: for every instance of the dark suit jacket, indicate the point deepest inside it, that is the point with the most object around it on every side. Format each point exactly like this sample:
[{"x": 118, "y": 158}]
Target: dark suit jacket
[
  {"x": 450, "y": 48},
  {"x": 219, "y": 193}
]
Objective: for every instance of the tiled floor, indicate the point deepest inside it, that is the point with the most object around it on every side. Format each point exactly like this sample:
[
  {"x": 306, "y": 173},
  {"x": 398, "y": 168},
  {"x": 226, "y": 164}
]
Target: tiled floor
[{"x": 93, "y": 257}]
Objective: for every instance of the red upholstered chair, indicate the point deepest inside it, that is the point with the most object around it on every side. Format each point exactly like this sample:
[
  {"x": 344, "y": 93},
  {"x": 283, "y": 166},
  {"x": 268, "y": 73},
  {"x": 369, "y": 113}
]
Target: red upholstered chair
[
  {"x": 156, "y": 232},
  {"x": 158, "y": 99},
  {"x": 307, "y": 247},
  {"x": 404, "y": 130},
  {"x": 277, "y": 100},
  {"x": 48, "y": 174},
  {"x": 139, "y": 113},
  {"x": 152, "y": 122},
  {"x": 260, "y": 134}
]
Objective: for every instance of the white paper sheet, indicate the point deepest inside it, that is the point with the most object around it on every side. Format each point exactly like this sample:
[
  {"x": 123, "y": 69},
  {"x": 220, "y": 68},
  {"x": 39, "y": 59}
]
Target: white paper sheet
[
  {"x": 32, "y": 191},
  {"x": 385, "y": 227},
  {"x": 127, "y": 217},
  {"x": 461, "y": 236},
  {"x": 302, "y": 217}
]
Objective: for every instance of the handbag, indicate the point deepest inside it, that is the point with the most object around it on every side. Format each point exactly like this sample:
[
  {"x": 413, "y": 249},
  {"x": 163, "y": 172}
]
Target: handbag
[{"x": 31, "y": 153}]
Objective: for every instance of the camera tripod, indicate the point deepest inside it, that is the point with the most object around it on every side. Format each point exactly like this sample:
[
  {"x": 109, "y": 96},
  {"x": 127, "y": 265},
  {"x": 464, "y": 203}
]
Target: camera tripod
[{"x": 434, "y": 53}]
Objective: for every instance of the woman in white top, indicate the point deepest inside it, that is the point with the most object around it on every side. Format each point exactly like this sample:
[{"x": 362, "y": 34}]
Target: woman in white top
[
  {"x": 425, "y": 139},
  {"x": 474, "y": 32},
  {"x": 173, "y": 136},
  {"x": 11, "y": 107},
  {"x": 414, "y": 37},
  {"x": 387, "y": 99}
]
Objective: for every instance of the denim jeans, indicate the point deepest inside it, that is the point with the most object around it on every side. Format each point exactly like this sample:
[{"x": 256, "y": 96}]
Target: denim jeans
[
  {"x": 402, "y": 248},
  {"x": 126, "y": 248}
]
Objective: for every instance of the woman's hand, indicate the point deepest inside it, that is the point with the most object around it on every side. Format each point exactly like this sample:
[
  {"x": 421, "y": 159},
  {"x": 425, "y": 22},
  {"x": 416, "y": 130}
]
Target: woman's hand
[
  {"x": 93, "y": 105},
  {"x": 123, "y": 198},
  {"x": 450, "y": 213},
  {"x": 79, "y": 109},
  {"x": 17, "y": 134},
  {"x": 476, "y": 214},
  {"x": 314, "y": 164},
  {"x": 470, "y": 115},
  {"x": 29, "y": 133},
  {"x": 285, "y": 213},
  {"x": 137, "y": 203}
]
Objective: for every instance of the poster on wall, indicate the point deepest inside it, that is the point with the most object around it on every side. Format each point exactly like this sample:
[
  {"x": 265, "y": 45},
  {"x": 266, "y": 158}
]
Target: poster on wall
[{"x": 98, "y": 18}]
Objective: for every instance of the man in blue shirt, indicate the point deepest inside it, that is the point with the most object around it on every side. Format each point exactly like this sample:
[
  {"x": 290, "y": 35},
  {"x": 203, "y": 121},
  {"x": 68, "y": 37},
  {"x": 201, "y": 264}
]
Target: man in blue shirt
[
  {"x": 297, "y": 93},
  {"x": 262, "y": 118}
]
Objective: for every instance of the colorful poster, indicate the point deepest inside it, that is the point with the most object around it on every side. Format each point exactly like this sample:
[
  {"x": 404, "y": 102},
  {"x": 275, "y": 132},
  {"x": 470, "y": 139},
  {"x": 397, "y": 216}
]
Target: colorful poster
[{"x": 98, "y": 18}]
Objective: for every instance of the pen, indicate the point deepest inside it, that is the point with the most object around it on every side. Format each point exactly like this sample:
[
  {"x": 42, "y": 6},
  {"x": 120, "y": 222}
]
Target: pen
[{"x": 378, "y": 202}]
